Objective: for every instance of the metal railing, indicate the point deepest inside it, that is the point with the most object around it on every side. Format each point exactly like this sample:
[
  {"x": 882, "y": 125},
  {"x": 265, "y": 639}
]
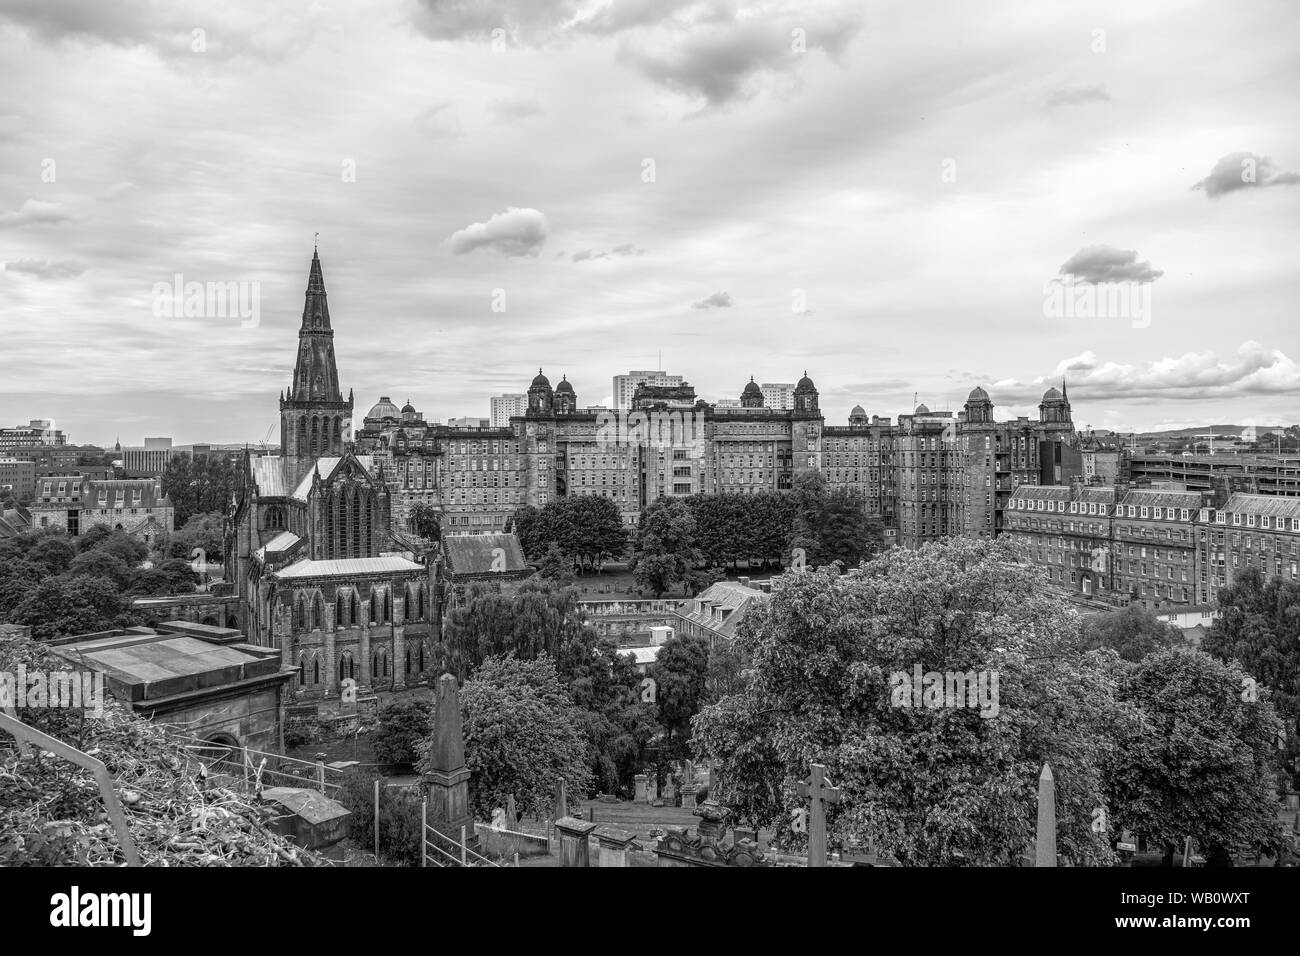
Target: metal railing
[{"x": 466, "y": 854}]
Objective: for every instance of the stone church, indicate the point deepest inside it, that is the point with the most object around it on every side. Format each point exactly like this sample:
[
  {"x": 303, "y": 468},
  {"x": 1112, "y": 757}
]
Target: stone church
[{"x": 318, "y": 568}]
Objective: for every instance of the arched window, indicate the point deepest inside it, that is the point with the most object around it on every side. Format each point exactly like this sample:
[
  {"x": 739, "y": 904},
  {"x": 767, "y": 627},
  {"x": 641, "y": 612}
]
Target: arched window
[
  {"x": 374, "y": 666},
  {"x": 408, "y": 662},
  {"x": 315, "y": 436},
  {"x": 388, "y": 605},
  {"x": 421, "y": 653},
  {"x": 317, "y": 612},
  {"x": 338, "y": 435},
  {"x": 301, "y": 446},
  {"x": 315, "y": 671},
  {"x": 374, "y": 607},
  {"x": 352, "y": 609},
  {"x": 302, "y": 676},
  {"x": 341, "y": 609}
]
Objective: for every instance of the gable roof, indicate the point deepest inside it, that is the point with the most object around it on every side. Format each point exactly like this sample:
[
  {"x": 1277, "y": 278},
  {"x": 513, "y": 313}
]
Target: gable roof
[
  {"x": 720, "y": 606},
  {"x": 325, "y": 467},
  {"x": 474, "y": 553},
  {"x": 267, "y": 472}
]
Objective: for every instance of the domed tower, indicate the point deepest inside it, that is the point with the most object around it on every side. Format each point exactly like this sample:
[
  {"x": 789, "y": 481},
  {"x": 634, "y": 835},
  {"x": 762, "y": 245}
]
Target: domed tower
[
  {"x": 805, "y": 396},
  {"x": 384, "y": 408},
  {"x": 752, "y": 396},
  {"x": 1055, "y": 407},
  {"x": 541, "y": 400},
  {"x": 858, "y": 416},
  {"x": 409, "y": 414},
  {"x": 922, "y": 409},
  {"x": 314, "y": 417},
  {"x": 566, "y": 400},
  {"x": 979, "y": 409}
]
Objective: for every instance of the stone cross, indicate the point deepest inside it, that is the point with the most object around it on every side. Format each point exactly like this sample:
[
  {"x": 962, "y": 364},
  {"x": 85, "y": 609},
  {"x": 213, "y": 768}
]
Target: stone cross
[
  {"x": 1045, "y": 852},
  {"x": 820, "y": 792}
]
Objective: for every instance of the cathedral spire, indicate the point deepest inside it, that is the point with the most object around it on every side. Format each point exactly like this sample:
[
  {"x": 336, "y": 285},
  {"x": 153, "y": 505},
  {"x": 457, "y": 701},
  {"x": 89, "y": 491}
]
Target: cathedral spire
[{"x": 315, "y": 374}]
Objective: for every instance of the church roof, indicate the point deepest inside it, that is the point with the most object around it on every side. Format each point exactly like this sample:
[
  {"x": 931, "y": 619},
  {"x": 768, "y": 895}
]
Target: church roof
[
  {"x": 325, "y": 467},
  {"x": 474, "y": 553},
  {"x": 267, "y": 472},
  {"x": 341, "y": 567},
  {"x": 315, "y": 373}
]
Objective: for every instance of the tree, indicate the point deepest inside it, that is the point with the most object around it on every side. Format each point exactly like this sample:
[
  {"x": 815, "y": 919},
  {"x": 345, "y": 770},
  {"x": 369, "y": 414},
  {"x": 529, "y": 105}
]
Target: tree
[
  {"x": 832, "y": 661},
  {"x": 1195, "y": 760},
  {"x": 1132, "y": 633},
  {"x": 520, "y": 737},
  {"x": 70, "y": 604},
  {"x": 536, "y": 619},
  {"x": 18, "y": 577},
  {"x": 832, "y": 525},
  {"x": 666, "y": 552},
  {"x": 54, "y": 552},
  {"x": 588, "y": 527},
  {"x": 203, "y": 532},
  {"x": 1259, "y": 628},
  {"x": 679, "y": 674},
  {"x": 402, "y": 726},
  {"x": 198, "y": 485},
  {"x": 426, "y": 521},
  {"x": 555, "y": 566},
  {"x": 102, "y": 564}
]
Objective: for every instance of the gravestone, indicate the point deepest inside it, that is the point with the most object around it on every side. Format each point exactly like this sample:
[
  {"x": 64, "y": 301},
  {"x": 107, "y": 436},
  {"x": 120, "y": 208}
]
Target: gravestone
[
  {"x": 689, "y": 792},
  {"x": 512, "y": 818},
  {"x": 615, "y": 845},
  {"x": 819, "y": 792},
  {"x": 575, "y": 847},
  {"x": 640, "y": 780},
  {"x": 498, "y": 819},
  {"x": 1045, "y": 852},
  {"x": 561, "y": 800}
]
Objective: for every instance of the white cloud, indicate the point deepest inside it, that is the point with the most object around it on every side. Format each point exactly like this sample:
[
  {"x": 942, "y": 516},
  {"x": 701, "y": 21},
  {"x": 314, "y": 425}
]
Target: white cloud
[{"x": 515, "y": 232}]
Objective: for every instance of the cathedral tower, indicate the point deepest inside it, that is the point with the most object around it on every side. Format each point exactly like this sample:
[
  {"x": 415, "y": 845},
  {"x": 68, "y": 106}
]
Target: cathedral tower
[{"x": 314, "y": 418}]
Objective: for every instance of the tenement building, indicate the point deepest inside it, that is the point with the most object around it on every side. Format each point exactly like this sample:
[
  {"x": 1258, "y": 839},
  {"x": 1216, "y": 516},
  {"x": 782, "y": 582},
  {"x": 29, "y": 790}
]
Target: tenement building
[{"x": 1156, "y": 548}]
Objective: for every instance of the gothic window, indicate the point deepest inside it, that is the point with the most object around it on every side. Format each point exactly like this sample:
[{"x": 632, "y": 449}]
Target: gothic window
[
  {"x": 408, "y": 662},
  {"x": 420, "y": 607},
  {"x": 315, "y": 436},
  {"x": 315, "y": 671},
  {"x": 338, "y": 435},
  {"x": 352, "y": 609},
  {"x": 301, "y": 444},
  {"x": 374, "y": 607},
  {"x": 317, "y": 612},
  {"x": 388, "y": 605},
  {"x": 374, "y": 666},
  {"x": 421, "y": 657},
  {"x": 341, "y": 609},
  {"x": 354, "y": 523}
]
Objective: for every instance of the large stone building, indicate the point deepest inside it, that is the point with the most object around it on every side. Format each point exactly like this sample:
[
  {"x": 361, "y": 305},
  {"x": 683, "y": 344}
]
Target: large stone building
[
  {"x": 1157, "y": 548},
  {"x": 75, "y": 503},
  {"x": 319, "y": 571}
]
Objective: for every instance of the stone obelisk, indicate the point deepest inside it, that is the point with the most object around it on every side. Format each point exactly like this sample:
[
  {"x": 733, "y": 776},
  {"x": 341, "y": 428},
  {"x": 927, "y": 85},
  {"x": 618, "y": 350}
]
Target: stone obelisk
[
  {"x": 446, "y": 781},
  {"x": 1045, "y": 851}
]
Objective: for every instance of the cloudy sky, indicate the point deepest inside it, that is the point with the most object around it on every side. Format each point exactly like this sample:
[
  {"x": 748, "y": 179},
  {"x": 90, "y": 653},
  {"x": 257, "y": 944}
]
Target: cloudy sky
[{"x": 888, "y": 195}]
